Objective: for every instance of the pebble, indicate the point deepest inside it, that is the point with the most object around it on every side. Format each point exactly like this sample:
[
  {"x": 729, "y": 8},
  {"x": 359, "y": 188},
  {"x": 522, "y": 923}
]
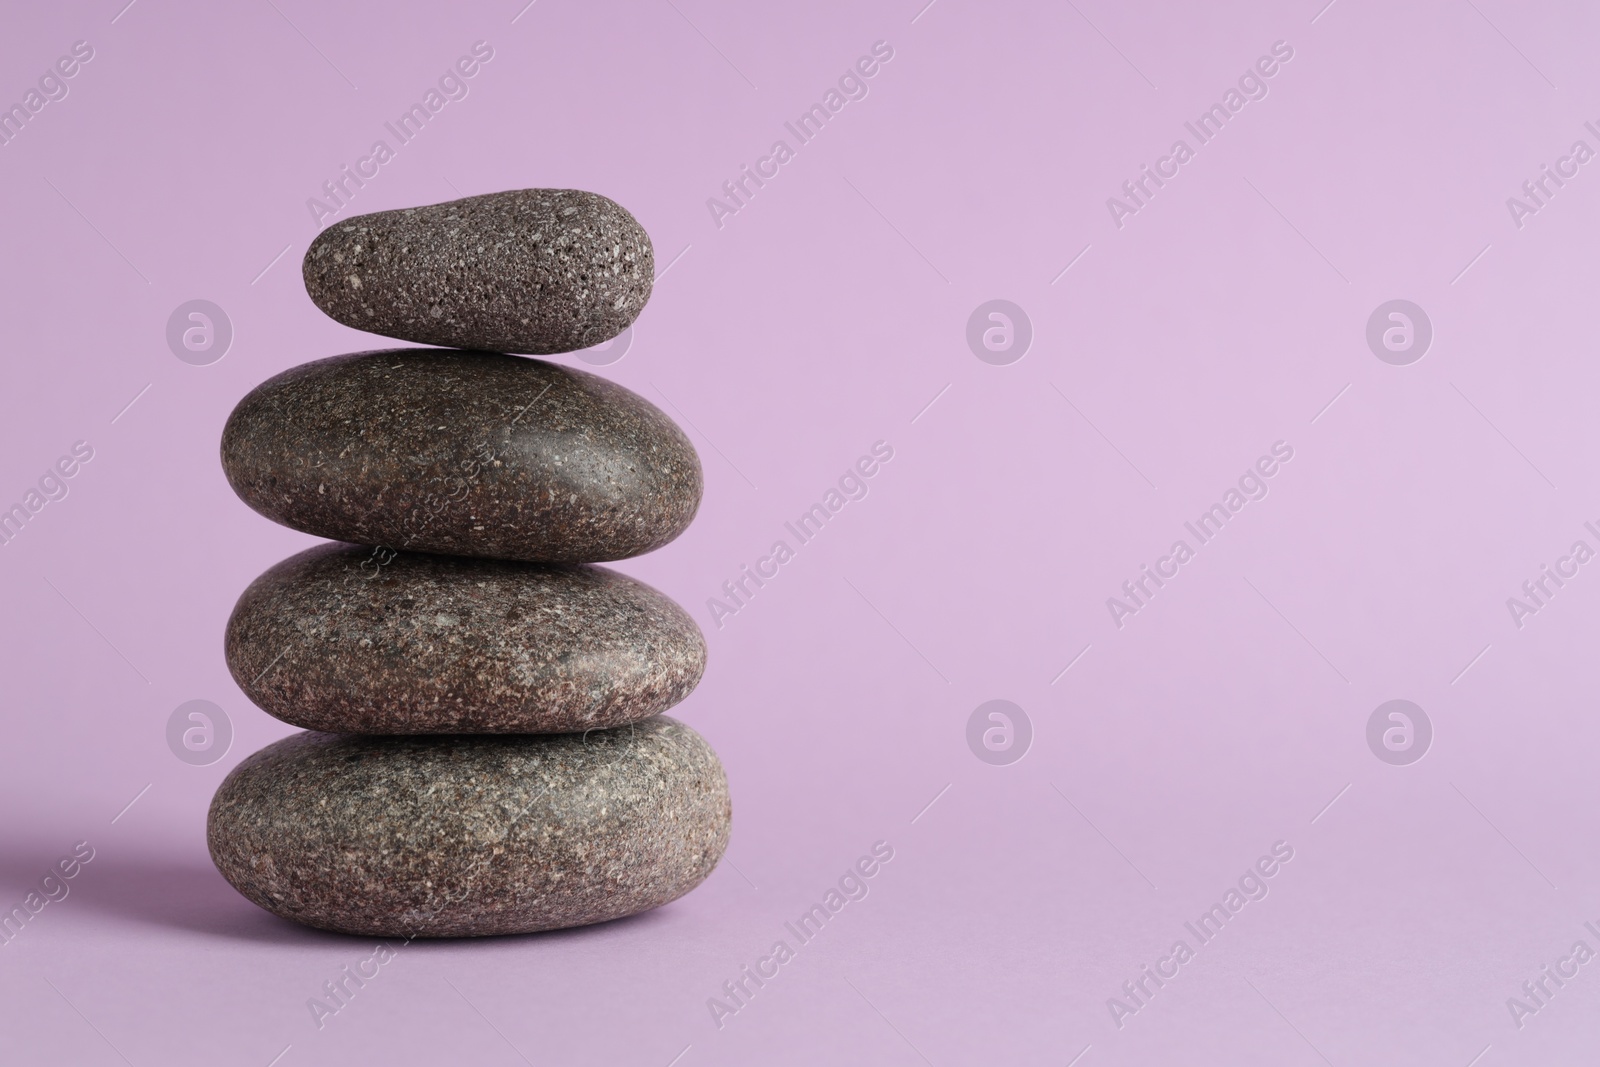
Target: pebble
[
  {"x": 470, "y": 835},
  {"x": 354, "y": 640},
  {"x": 530, "y": 270},
  {"x": 463, "y": 453}
]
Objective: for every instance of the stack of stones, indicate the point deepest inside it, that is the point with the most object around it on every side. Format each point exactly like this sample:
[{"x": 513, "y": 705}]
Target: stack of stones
[{"x": 486, "y": 751}]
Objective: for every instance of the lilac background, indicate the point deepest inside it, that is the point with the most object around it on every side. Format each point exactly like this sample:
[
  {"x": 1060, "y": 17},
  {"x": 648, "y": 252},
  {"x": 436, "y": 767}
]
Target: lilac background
[{"x": 825, "y": 316}]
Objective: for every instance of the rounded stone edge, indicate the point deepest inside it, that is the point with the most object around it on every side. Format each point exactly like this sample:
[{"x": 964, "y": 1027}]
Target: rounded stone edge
[
  {"x": 330, "y": 235},
  {"x": 260, "y": 394},
  {"x": 276, "y": 749},
  {"x": 269, "y": 584}
]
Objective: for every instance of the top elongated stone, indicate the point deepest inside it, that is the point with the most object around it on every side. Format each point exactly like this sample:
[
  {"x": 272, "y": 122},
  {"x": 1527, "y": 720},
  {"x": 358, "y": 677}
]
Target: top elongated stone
[
  {"x": 530, "y": 270},
  {"x": 463, "y": 453}
]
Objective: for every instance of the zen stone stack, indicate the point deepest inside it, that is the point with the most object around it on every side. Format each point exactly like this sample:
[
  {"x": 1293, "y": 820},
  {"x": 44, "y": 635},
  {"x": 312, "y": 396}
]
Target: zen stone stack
[{"x": 487, "y": 752}]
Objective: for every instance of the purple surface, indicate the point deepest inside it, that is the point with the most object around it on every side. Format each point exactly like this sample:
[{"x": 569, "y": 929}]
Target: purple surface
[{"x": 828, "y": 313}]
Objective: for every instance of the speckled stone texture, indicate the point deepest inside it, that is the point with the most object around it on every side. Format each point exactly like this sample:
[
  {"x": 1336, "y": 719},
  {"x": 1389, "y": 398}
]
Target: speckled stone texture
[
  {"x": 464, "y": 453},
  {"x": 457, "y": 836},
  {"x": 531, "y": 270},
  {"x": 352, "y": 640}
]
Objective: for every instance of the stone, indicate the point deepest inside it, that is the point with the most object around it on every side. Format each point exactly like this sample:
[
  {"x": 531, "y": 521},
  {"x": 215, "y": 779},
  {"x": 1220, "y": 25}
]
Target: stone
[
  {"x": 463, "y": 453},
  {"x": 468, "y": 835},
  {"x": 355, "y": 640},
  {"x": 534, "y": 271}
]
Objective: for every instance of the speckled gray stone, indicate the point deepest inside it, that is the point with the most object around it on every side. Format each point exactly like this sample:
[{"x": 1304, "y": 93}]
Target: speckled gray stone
[
  {"x": 356, "y": 640},
  {"x": 464, "y": 453},
  {"x": 530, "y": 270},
  {"x": 486, "y": 834}
]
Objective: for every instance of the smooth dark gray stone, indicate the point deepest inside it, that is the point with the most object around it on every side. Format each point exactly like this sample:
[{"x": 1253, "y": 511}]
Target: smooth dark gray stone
[
  {"x": 463, "y": 453},
  {"x": 530, "y": 270},
  {"x": 457, "y": 836},
  {"x": 355, "y": 640}
]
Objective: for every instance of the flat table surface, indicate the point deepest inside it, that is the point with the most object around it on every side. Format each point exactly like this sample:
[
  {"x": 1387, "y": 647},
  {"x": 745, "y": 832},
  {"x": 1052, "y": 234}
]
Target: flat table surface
[{"x": 1339, "y": 346}]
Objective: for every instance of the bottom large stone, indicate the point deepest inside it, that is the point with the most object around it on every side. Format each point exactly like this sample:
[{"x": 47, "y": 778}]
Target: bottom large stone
[{"x": 467, "y": 835}]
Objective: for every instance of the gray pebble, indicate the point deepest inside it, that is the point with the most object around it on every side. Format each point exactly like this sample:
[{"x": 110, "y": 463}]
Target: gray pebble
[
  {"x": 530, "y": 270},
  {"x": 459, "y": 836},
  {"x": 463, "y": 453},
  {"x": 356, "y": 640}
]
